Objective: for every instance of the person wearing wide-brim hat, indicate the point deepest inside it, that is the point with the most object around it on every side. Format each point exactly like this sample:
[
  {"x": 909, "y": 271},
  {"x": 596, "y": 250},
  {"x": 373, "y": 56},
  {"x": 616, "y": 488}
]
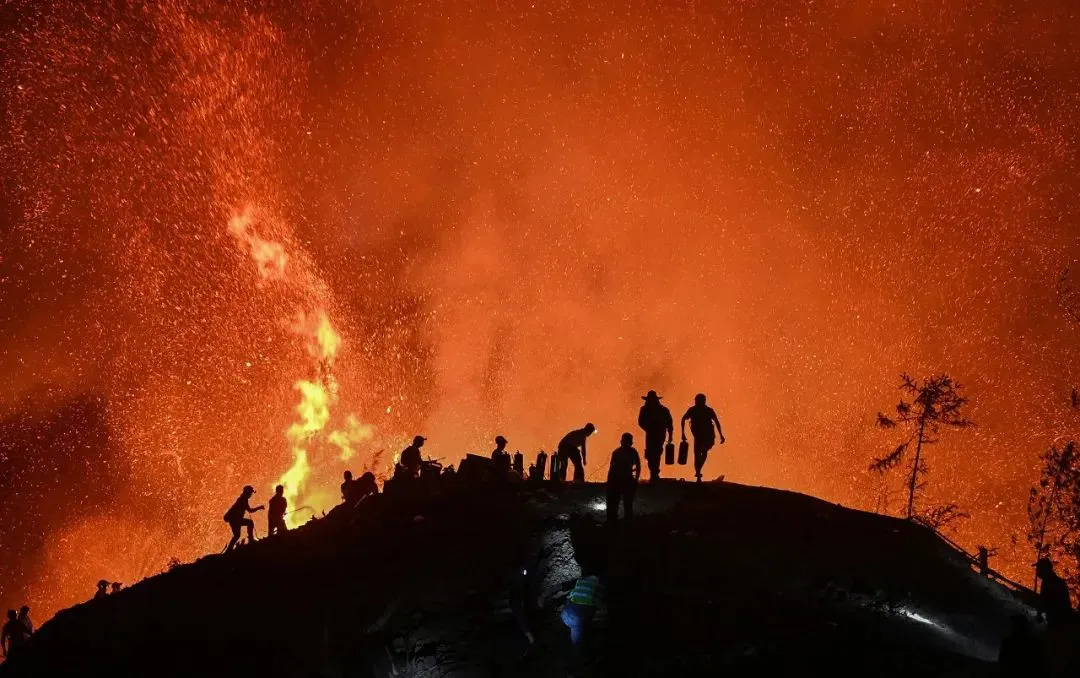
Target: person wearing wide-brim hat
[{"x": 656, "y": 421}]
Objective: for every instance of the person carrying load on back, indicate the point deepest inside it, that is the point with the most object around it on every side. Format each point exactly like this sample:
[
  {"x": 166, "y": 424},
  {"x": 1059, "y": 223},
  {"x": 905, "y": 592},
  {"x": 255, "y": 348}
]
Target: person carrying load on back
[
  {"x": 572, "y": 448},
  {"x": 656, "y": 421},
  {"x": 237, "y": 518},
  {"x": 702, "y": 418},
  {"x": 275, "y": 517},
  {"x": 581, "y": 606}
]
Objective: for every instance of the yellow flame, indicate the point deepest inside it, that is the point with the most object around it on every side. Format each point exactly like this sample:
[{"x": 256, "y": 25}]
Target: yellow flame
[
  {"x": 353, "y": 433},
  {"x": 322, "y": 339},
  {"x": 269, "y": 257}
]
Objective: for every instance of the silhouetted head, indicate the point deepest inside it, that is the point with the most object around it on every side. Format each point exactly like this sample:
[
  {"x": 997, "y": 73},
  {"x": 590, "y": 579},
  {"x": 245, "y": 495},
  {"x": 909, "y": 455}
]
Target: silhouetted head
[
  {"x": 116, "y": 586},
  {"x": 627, "y": 439},
  {"x": 699, "y": 399},
  {"x": 1044, "y": 567},
  {"x": 347, "y": 475},
  {"x": 651, "y": 397},
  {"x": 589, "y": 429},
  {"x": 24, "y": 610},
  {"x": 368, "y": 477},
  {"x": 11, "y": 615},
  {"x": 500, "y": 442},
  {"x": 418, "y": 441},
  {"x": 279, "y": 490},
  {"x": 103, "y": 584},
  {"x": 248, "y": 490}
]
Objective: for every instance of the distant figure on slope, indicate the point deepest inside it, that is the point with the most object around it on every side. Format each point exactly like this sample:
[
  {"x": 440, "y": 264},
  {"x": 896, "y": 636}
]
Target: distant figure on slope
[
  {"x": 500, "y": 456},
  {"x": 275, "y": 516},
  {"x": 702, "y": 417},
  {"x": 24, "y": 618},
  {"x": 572, "y": 449},
  {"x": 1061, "y": 628},
  {"x": 622, "y": 479},
  {"x": 1053, "y": 594},
  {"x": 116, "y": 586},
  {"x": 236, "y": 517},
  {"x": 346, "y": 487},
  {"x": 102, "y": 589},
  {"x": 1020, "y": 655},
  {"x": 366, "y": 486},
  {"x": 655, "y": 420},
  {"x": 13, "y": 635},
  {"x": 410, "y": 457}
]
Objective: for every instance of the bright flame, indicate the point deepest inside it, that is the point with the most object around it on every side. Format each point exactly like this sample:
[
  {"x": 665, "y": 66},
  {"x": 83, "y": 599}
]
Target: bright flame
[
  {"x": 353, "y": 433},
  {"x": 269, "y": 256},
  {"x": 316, "y": 397}
]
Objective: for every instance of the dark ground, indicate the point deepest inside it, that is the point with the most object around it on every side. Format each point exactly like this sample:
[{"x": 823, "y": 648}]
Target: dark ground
[{"x": 708, "y": 580}]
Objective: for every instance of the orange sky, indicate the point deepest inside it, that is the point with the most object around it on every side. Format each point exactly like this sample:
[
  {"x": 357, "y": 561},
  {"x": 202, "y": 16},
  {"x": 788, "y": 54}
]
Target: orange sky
[{"x": 520, "y": 217}]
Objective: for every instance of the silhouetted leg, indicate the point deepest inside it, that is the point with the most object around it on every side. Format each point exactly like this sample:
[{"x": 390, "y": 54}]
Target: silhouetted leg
[
  {"x": 654, "y": 451},
  {"x": 612, "y": 501},
  {"x": 579, "y": 468},
  {"x": 250, "y": 525},
  {"x": 235, "y": 536},
  {"x": 628, "y": 499},
  {"x": 701, "y": 454}
]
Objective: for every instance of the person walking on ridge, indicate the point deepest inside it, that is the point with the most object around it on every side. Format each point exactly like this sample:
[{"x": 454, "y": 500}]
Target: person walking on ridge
[
  {"x": 572, "y": 449},
  {"x": 237, "y": 518},
  {"x": 702, "y": 417},
  {"x": 500, "y": 456},
  {"x": 14, "y": 634},
  {"x": 622, "y": 479},
  {"x": 656, "y": 421},
  {"x": 410, "y": 457},
  {"x": 275, "y": 517}
]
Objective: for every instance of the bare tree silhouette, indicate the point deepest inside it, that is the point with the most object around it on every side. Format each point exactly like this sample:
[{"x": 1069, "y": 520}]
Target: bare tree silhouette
[
  {"x": 1054, "y": 507},
  {"x": 926, "y": 407}
]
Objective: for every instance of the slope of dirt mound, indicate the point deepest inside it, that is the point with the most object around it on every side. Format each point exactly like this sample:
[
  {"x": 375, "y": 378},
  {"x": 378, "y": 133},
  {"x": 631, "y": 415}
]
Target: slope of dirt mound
[{"x": 707, "y": 580}]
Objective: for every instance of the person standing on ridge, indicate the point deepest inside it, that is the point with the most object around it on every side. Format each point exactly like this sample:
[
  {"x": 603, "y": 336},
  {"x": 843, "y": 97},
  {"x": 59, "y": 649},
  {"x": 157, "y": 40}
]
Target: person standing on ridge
[
  {"x": 14, "y": 634},
  {"x": 410, "y": 457},
  {"x": 500, "y": 456},
  {"x": 102, "y": 589},
  {"x": 275, "y": 517},
  {"x": 572, "y": 448},
  {"x": 656, "y": 421},
  {"x": 24, "y": 617},
  {"x": 622, "y": 479},
  {"x": 346, "y": 487},
  {"x": 702, "y": 417},
  {"x": 236, "y": 517}
]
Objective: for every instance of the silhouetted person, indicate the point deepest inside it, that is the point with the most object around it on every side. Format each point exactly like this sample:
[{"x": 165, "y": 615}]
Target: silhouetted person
[
  {"x": 1020, "y": 655},
  {"x": 519, "y": 463},
  {"x": 14, "y": 634},
  {"x": 102, "y": 589},
  {"x": 410, "y": 457},
  {"x": 500, "y": 456},
  {"x": 1053, "y": 594},
  {"x": 275, "y": 515},
  {"x": 655, "y": 420},
  {"x": 622, "y": 479},
  {"x": 983, "y": 560},
  {"x": 24, "y": 617},
  {"x": 237, "y": 518},
  {"x": 366, "y": 486},
  {"x": 116, "y": 586},
  {"x": 572, "y": 449},
  {"x": 346, "y": 487},
  {"x": 702, "y": 417}
]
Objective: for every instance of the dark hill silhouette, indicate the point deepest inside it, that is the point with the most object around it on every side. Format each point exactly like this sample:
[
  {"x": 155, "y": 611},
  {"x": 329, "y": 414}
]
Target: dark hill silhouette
[{"x": 709, "y": 580}]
